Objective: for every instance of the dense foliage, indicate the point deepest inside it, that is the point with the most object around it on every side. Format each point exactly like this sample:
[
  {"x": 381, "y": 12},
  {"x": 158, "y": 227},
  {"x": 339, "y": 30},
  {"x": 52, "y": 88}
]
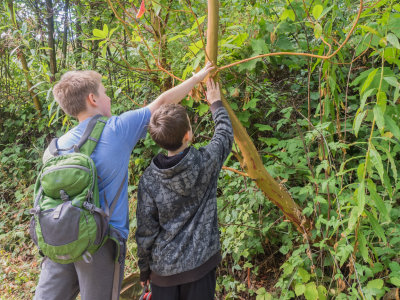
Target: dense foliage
[{"x": 326, "y": 129}]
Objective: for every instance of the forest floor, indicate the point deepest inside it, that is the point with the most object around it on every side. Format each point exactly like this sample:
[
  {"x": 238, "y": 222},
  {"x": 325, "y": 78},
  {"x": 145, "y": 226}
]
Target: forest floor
[{"x": 20, "y": 264}]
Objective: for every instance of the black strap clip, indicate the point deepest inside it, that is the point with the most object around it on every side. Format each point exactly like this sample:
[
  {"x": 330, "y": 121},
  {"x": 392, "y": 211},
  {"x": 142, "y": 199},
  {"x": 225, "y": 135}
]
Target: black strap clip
[{"x": 89, "y": 206}]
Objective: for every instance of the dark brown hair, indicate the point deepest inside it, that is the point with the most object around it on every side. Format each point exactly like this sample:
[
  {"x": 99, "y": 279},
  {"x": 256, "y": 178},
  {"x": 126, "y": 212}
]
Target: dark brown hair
[{"x": 168, "y": 125}]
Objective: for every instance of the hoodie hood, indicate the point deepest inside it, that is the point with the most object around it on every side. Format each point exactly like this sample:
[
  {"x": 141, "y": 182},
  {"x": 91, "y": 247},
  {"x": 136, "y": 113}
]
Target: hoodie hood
[{"x": 182, "y": 177}]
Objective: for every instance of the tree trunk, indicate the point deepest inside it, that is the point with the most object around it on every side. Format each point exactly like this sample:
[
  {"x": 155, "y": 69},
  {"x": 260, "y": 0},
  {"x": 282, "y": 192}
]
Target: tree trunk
[
  {"x": 50, "y": 38},
  {"x": 40, "y": 22},
  {"x": 65, "y": 35},
  {"x": 252, "y": 162},
  {"x": 93, "y": 25},
  {"x": 78, "y": 48},
  {"x": 22, "y": 59}
]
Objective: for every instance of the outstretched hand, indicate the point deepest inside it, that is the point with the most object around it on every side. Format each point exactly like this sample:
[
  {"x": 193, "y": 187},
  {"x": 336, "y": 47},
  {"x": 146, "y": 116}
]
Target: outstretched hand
[
  {"x": 145, "y": 283},
  {"x": 199, "y": 76},
  {"x": 213, "y": 92}
]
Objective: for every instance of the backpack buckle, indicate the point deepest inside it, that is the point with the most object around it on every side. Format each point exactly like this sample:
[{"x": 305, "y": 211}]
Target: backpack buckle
[
  {"x": 34, "y": 211},
  {"x": 64, "y": 196},
  {"x": 89, "y": 206}
]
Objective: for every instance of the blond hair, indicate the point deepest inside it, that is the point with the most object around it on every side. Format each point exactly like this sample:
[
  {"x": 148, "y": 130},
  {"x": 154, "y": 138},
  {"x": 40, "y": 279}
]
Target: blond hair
[{"x": 73, "y": 88}]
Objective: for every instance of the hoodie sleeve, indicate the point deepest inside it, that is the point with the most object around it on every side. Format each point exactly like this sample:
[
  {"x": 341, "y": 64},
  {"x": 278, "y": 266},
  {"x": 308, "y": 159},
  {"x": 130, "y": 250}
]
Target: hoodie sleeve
[
  {"x": 221, "y": 143},
  {"x": 147, "y": 228}
]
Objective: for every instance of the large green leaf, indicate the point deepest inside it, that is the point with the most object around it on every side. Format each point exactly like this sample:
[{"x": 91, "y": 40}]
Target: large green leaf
[
  {"x": 393, "y": 40},
  {"x": 317, "y": 11},
  {"x": 311, "y": 292},
  {"x": 362, "y": 246},
  {"x": 379, "y": 204},
  {"x": 392, "y": 126},
  {"x": 376, "y": 161},
  {"x": 357, "y": 122},
  {"x": 379, "y": 118},
  {"x": 368, "y": 81},
  {"x": 99, "y": 33},
  {"x": 317, "y": 30},
  {"x": 376, "y": 226},
  {"x": 375, "y": 284}
]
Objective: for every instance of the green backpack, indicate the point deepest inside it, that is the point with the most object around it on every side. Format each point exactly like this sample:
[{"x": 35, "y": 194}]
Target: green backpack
[{"x": 68, "y": 223}]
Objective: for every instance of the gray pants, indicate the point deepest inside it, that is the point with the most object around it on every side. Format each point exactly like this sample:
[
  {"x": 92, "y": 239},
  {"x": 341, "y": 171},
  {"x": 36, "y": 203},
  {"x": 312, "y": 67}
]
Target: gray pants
[{"x": 94, "y": 280}]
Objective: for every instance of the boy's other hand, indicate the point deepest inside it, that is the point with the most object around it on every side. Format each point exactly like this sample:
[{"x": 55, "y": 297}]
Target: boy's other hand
[
  {"x": 199, "y": 76},
  {"x": 213, "y": 92},
  {"x": 145, "y": 283}
]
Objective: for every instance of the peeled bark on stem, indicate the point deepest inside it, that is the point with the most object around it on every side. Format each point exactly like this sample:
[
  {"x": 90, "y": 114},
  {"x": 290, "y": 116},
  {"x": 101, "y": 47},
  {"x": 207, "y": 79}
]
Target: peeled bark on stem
[
  {"x": 252, "y": 162},
  {"x": 212, "y": 31}
]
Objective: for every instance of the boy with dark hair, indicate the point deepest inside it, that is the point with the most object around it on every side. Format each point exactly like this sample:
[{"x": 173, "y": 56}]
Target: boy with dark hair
[
  {"x": 177, "y": 226},
  {"x": 82, "y": 95}
]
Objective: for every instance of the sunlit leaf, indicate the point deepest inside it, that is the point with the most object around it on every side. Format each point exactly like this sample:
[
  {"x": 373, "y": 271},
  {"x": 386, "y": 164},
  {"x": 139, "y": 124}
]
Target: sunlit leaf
[
  {"x": 317, "y": 11},
  {"x": 392, "y": 81},
  {"x": 357, "y": 122},
  {"x": 381, "y": 101},
  {"x": 322, "y": 292},
  {"x": 311, "y": 292},
  {"x": 198, "y": 22},
  {"x": 368, "y": 80},
  {"x": 99, "y": 33},
  {"x": 364, "y": 98},
  {"x": 375, "y": 284},
  {"x": 393, "y": 40},
  {"x": 317, "y": 30},
  {"x": 380, "y": 120},
  {"x": 299, "y": 289},
  {"x": 288, "y": 13},
  {"x": 376, "y": 161},
  {"x": 105, "y": 29},
  {"x": 392, "y": 126}
]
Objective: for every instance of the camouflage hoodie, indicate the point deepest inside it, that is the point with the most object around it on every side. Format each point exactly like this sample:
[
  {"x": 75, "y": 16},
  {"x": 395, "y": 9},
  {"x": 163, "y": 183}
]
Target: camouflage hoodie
[{"x": 177, "y": 225}]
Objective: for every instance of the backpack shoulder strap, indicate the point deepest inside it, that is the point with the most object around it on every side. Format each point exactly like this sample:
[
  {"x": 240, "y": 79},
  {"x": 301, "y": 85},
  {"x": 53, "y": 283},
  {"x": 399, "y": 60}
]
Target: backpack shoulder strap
[
  {"x": 55, "y": 151},
  {"x": 87, "y": 142},
  {"x": 109, "y": 210},
  {"x": 91, "y": 136},
  {"x": 53, "y": 147}
]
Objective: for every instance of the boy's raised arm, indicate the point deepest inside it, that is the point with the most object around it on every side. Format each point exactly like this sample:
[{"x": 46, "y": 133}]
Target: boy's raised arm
[
  {"x": 221, "y": 142},
  {"x": 176, "y": 94}
]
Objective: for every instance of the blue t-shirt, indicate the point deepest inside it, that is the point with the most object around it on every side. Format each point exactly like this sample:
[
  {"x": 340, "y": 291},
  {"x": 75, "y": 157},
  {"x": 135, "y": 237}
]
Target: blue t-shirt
[{"x": 111, "y": 157}]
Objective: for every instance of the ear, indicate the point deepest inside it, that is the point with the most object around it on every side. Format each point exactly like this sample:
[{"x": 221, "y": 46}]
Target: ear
[
  {"x": 91, "y": 100},
  {"x": 186, "y": 137}
]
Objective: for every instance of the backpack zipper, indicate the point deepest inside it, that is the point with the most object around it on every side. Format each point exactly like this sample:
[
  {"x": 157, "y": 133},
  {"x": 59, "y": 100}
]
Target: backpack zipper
[
  {"x": 64, "y": 167},
  {"x": 90, "y": 191}
]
